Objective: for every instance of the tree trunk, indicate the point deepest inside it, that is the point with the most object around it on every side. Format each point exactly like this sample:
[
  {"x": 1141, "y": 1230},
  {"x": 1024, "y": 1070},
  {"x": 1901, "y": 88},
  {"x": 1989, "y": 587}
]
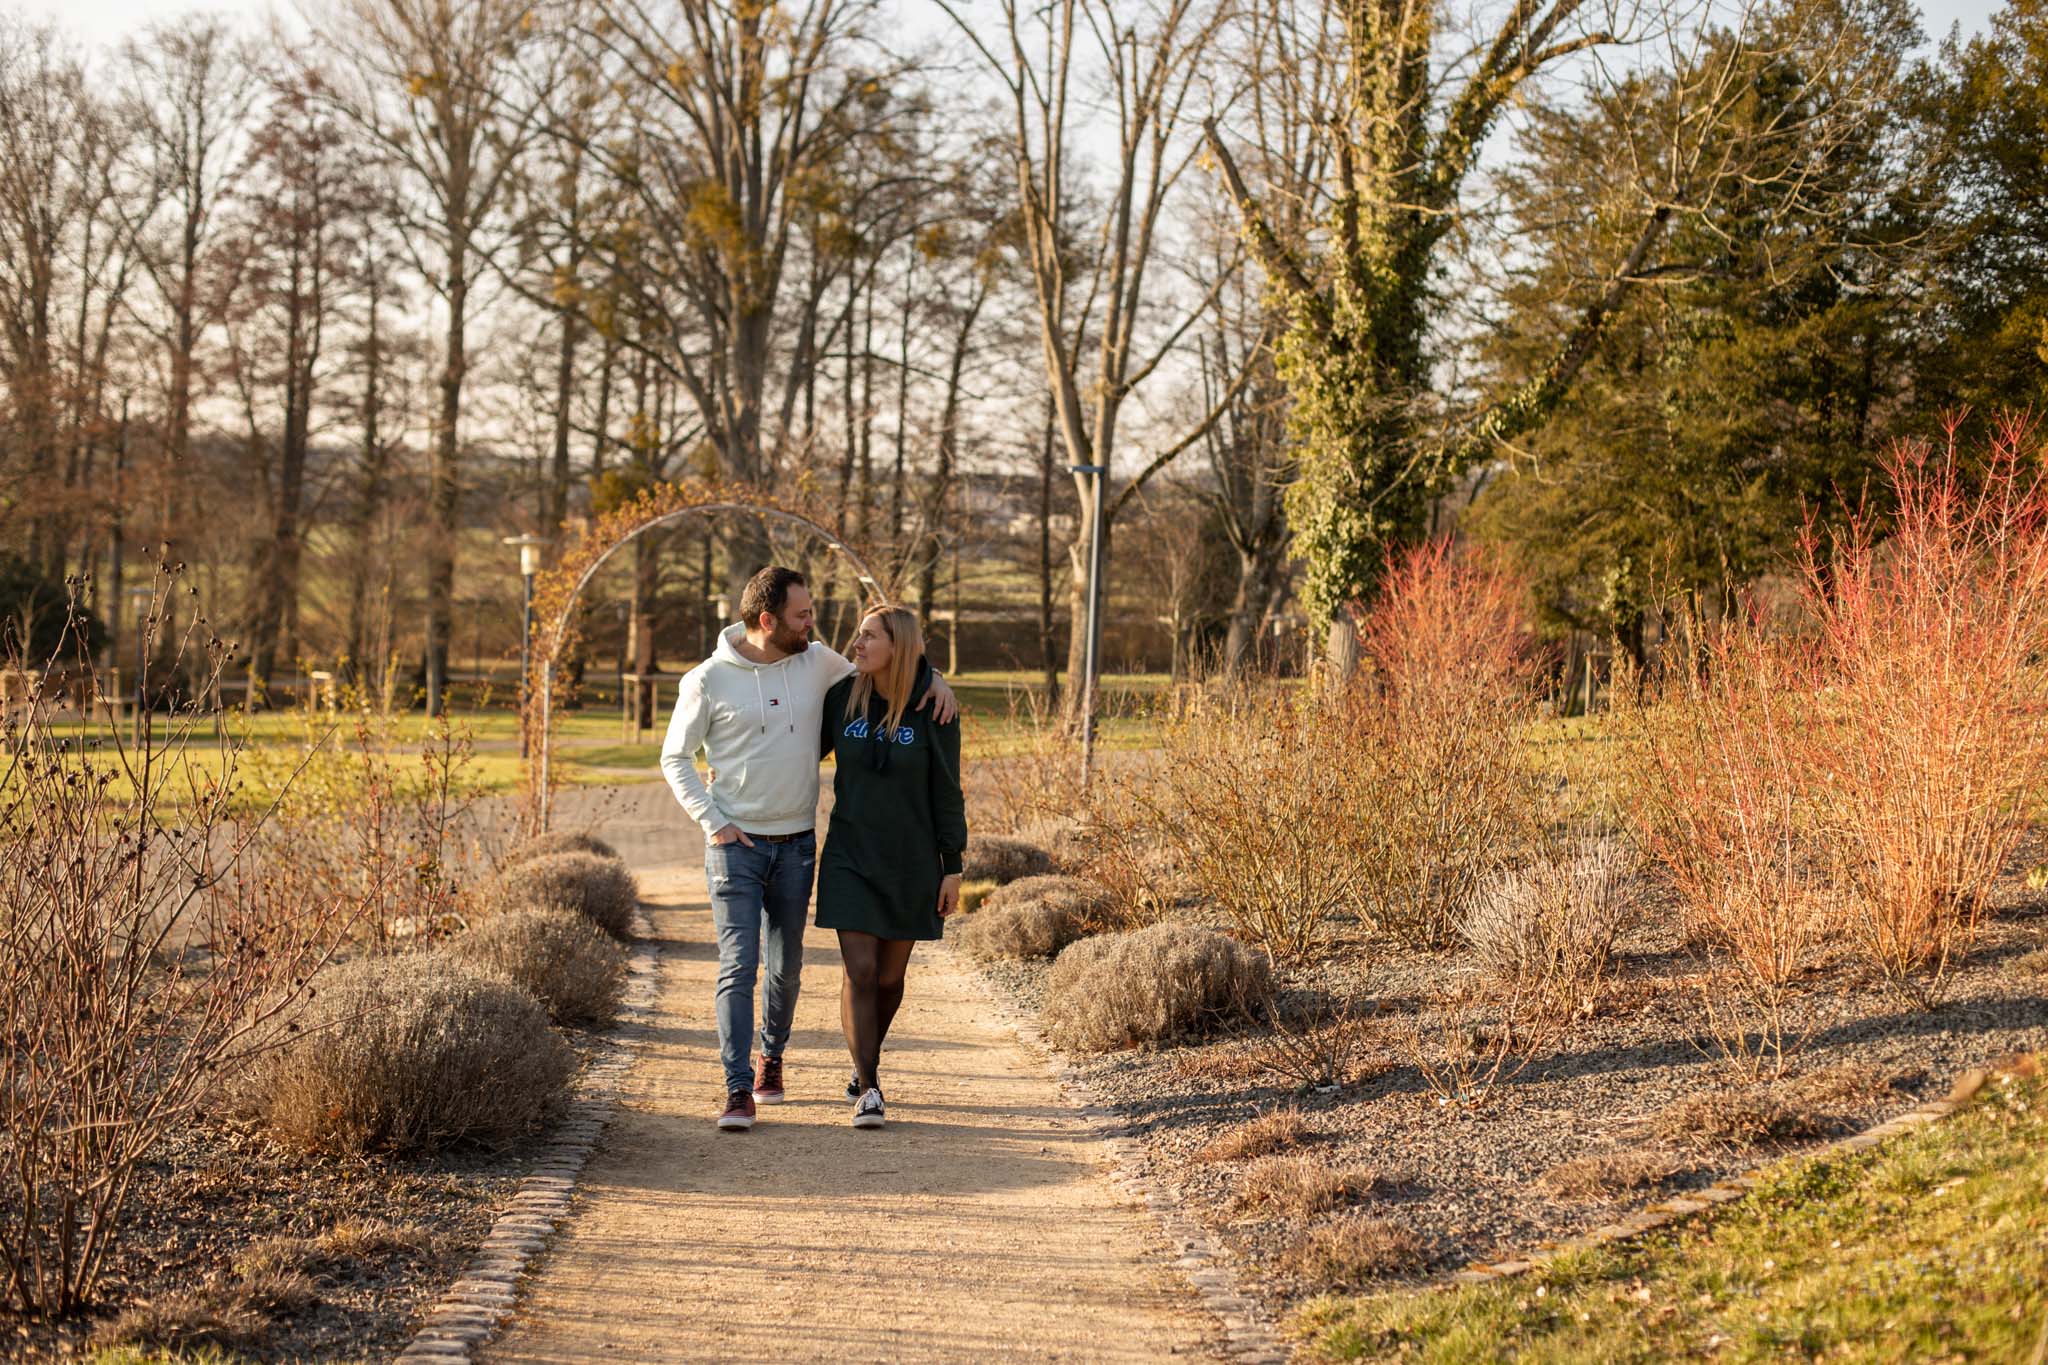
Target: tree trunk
[
  {"x": 443, "y": 488},
  {"x": 370, "y": 492},
  {"x": 1048, "y": 654}
]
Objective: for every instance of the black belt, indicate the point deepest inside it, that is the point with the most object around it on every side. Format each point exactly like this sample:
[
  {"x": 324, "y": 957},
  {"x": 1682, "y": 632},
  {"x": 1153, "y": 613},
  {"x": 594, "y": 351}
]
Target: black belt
[{"x": 779, "y": 838}]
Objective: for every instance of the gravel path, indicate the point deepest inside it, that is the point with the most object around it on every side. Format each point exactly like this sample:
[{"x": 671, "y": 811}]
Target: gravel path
[{"x": 979, "y": 1225}]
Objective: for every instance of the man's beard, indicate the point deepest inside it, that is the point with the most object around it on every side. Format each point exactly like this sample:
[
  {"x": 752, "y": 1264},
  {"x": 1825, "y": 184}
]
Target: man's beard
[{"x": 789, "y": 641}]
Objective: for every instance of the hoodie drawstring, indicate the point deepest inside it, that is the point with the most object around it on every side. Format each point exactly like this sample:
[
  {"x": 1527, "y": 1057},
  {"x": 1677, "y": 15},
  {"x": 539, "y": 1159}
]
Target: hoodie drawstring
[{"x": 761, "y": 694}]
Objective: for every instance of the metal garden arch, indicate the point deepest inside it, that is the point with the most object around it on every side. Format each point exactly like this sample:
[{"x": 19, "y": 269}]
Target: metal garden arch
[{"x": 559, "y": 588}]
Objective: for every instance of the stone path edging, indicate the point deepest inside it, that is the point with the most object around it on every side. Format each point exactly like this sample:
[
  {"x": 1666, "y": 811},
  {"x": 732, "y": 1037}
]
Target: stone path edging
[
  {"x": 472, "y": 1309},
  {"x": 1727, "y": 1191},
  {"x": 1205, "y": 1264}
]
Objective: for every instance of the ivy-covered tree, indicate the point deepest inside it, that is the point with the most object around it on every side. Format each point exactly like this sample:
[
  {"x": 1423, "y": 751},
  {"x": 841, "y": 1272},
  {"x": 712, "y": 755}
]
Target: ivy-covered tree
[{"x": 1364, "y": 293}]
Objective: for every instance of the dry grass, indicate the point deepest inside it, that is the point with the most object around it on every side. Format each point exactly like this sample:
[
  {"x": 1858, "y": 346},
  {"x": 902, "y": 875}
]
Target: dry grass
[
  {"x": 1034, "y": 917},
  {"x": 1300, "y": 1186},
  {"x": 1351, "y": 1251},
  {"x": 566, "y": 962},
  {"x": 1845, "y": 1088},
  {"x": 347, "y": 1245},
  {"x": 1276, "y": 1130},
  {"x": 409, "y": 1053},
  {"x": 558, "y": 841},
  {"x": 1144, "y": 987},
  {"x": 2032, "y": 964},
  {"x": 598, "y": 888},
  {"x": 183, "y": 1321},
  {"x": 999, "y": 858},
  {"x": 1734, "y": 1119},
  {"x": 1603, "y": 1175}
]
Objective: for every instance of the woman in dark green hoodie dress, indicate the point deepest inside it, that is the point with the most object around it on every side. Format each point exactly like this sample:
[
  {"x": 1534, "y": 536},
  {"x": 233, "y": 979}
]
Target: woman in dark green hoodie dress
[{"x": 890, "y": 871}]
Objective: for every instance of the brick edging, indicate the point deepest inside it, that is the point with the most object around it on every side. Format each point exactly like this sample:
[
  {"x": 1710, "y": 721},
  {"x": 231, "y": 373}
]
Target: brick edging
[
  {"x": 1677, "y": 1209},
  {"x": 1205, "y": 1264},
  {"x": 472, "y": 1309}
]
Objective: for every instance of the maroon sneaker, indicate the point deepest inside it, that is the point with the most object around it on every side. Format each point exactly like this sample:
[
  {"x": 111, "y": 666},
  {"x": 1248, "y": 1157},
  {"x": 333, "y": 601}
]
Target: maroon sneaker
[
  {"x": 739, "y": 1112},
  {"x": 768, "y": 1081}
]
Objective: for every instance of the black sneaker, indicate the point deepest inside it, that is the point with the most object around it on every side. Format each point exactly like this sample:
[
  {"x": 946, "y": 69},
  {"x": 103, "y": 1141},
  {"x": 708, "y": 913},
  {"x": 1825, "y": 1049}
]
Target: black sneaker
[
  {"x": 853, "y": 1087},
  {"x": 868, "y": 1112}
]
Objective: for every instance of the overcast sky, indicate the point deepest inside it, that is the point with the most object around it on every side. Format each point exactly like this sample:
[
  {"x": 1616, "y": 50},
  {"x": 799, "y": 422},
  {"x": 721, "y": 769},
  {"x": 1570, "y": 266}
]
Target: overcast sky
[{"x": 100, "y": 22}]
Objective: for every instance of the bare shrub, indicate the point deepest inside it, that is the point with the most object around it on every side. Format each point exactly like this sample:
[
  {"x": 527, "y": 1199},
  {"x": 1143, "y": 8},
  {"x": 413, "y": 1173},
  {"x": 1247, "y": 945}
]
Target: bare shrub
[
  {"x": 1733, "y": 1119},
  {"x": 1716, "y": 775},
  {"x": 998, "y": 858},
  {"x": 1552, "y": 922},
  {"x": 1254, "y": 797},
  {"x": 1040, "y": 769},
  {"x": 409, "y": 1053},
  {"x": 1930, "y": 631},
  {"x": 1319, "y": 1037},
  {"x": 1300, "y": 1186},
  {"x": 144, "y": 947},
  {"x": 566, "y": 962},
  {"x": 1276, "y": 1130},
  {"x": 362, "y": 807},
  {"x": 1475, "y": 1035},
  {"x": 600, "y": 889},
  {"x": 1351, "y": 1251},
  {"x": 1151, "y": 985},
  {"x": 1603, "y": 1175},
  {"x": 1034, "y": 917},
  {"x": 558, "y": 841},
  {"x": 1444, "y": 792}
]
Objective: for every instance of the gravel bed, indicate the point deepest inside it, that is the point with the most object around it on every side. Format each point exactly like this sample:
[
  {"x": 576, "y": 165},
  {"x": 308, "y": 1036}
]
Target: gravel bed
[
  {"x": 1466, "y": 1181},
  {"x": 213, "y": 1191}
]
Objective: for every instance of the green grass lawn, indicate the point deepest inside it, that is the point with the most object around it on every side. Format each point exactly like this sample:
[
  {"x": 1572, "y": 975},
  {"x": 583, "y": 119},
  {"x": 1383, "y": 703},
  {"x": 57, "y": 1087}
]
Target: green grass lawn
[{"x": 1933, "y": 1246}]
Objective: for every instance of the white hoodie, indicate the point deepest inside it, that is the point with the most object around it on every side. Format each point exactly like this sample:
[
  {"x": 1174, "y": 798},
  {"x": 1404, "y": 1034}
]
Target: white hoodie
[{"x": 758, "y": 727}]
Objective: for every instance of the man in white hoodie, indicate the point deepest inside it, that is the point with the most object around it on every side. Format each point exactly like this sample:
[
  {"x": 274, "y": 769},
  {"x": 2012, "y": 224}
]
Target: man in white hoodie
[{"x": 754, "y": 709}]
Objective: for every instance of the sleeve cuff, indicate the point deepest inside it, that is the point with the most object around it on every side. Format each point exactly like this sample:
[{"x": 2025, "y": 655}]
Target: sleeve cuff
[{"x": 949, "y": 864}]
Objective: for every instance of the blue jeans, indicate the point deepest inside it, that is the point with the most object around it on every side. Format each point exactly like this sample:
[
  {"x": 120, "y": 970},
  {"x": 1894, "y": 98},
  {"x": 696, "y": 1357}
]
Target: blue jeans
[{"x": 757, "y": 893}]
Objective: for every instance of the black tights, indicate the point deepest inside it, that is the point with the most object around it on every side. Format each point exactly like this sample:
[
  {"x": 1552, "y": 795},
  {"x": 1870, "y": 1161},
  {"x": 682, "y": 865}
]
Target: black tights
[{"x": 869, "y": 995}]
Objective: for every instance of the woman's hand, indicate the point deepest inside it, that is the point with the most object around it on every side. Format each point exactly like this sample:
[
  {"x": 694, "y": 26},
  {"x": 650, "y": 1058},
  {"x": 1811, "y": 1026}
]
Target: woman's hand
[{"x": 949, "y": 895}]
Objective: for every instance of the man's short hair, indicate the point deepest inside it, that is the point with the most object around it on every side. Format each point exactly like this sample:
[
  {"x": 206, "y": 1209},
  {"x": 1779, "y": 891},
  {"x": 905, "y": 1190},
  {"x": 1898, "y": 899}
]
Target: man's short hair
[{"x": 767, "y": 591}]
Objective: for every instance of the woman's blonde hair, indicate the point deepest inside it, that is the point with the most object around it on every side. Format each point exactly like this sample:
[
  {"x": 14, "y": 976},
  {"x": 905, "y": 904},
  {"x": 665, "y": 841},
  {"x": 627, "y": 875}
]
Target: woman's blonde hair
[{"x": 900, "y": 625}]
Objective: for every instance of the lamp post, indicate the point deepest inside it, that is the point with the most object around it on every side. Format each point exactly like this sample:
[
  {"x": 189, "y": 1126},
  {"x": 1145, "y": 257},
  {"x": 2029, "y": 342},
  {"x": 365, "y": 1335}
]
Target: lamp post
[
  {"x": 141, "y": 594},
  {"x": 1098, "y": 476},
  {"x": 529, "y": 565}
]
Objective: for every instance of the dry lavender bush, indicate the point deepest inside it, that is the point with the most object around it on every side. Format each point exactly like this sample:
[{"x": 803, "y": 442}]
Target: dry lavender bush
[
  {"x": 144, "y": 951},
  {"x": 999, "y": 858},
  {"x": 1034, "y": 917},
  {"x": 1162, "y": 982},
  {"x": 598, "y": 888},
  {"x": 1551, "y": 923},
  {"x": 409, "y": 1053},
  {"x": 567, "y": 963},
  {"x": 558, "y": 841}
]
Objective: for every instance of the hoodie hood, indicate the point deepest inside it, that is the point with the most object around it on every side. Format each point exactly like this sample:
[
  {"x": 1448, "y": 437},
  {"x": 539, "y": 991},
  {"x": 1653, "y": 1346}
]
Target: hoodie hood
[{"x": 727, "y": 650}]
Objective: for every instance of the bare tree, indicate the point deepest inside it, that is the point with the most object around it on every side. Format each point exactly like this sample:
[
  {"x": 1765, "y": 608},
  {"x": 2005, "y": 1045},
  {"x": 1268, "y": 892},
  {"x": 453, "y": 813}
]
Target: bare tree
[
  {"x": 430, "y": 84},
  {"x": 1098, "y": 302}
]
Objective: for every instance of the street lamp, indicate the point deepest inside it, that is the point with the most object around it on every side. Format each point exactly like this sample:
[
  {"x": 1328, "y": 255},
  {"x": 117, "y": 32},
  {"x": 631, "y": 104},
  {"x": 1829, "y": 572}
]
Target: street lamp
[
  {"x": 141, "y": 594},
  {"x": 529, "y": 565}
]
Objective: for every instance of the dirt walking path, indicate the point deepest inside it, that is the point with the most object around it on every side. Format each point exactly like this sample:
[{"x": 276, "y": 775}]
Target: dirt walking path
[{"x": 978, "y": 1225}]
